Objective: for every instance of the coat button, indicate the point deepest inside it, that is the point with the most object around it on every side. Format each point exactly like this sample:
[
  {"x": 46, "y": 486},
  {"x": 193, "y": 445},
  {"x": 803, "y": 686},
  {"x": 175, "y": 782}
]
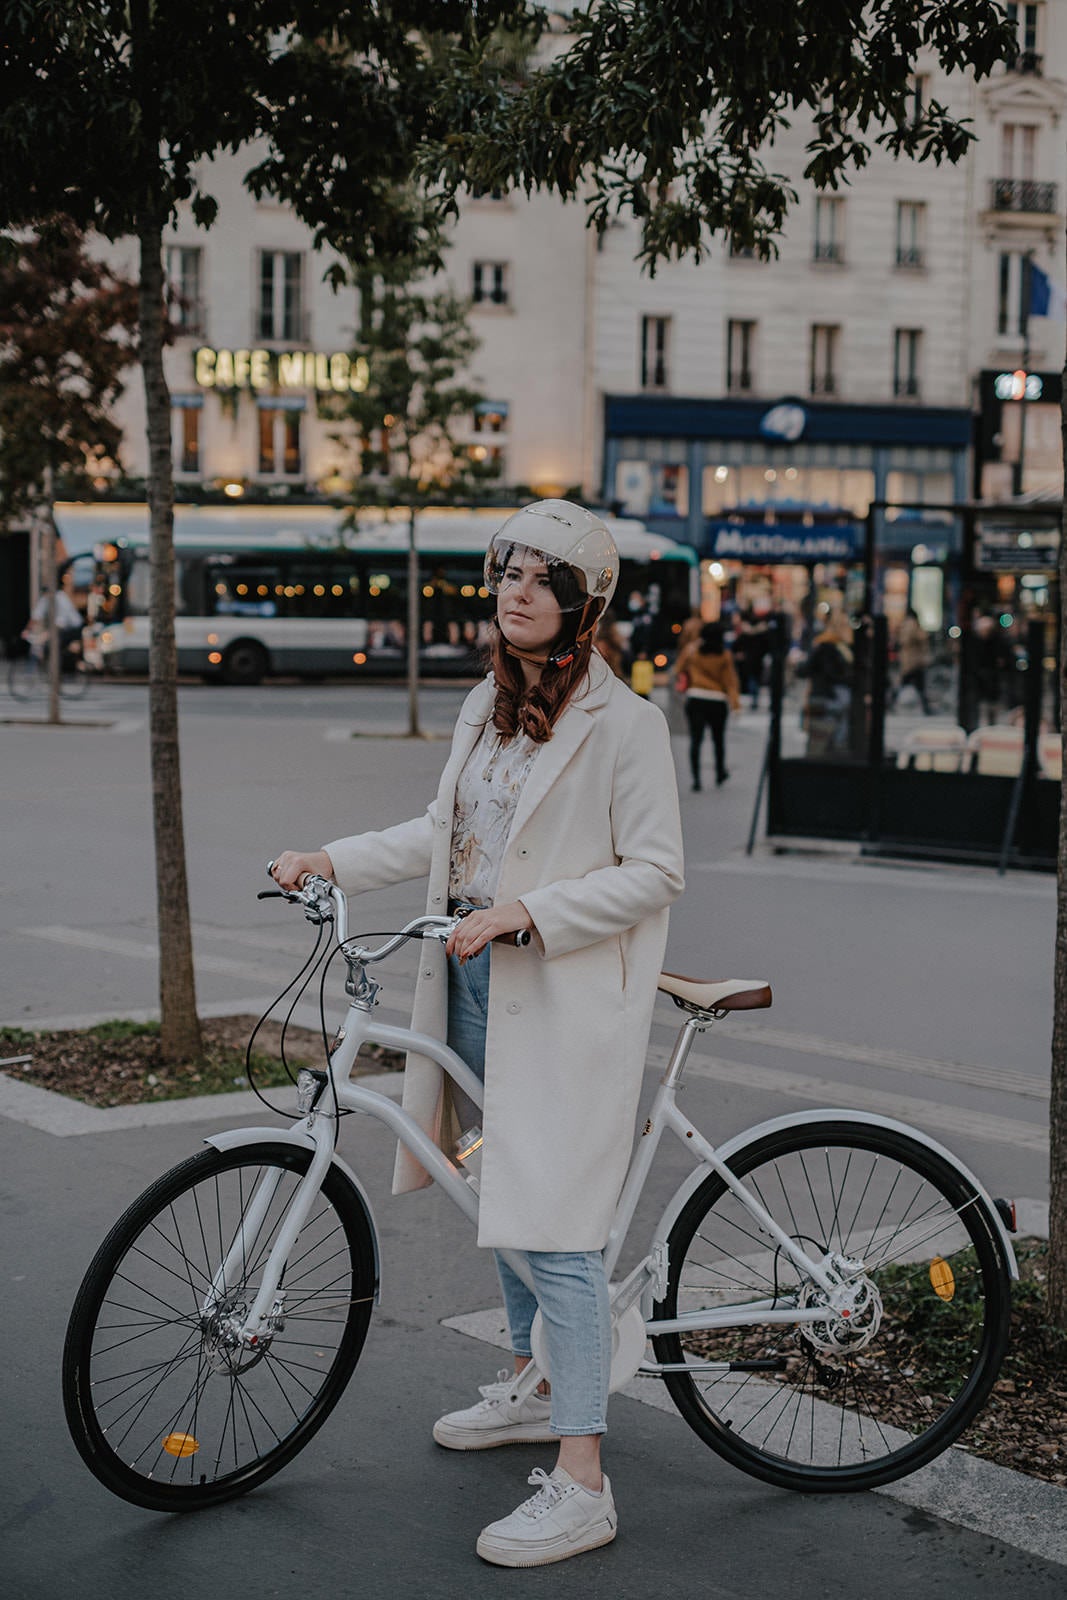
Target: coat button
[
  {"x": 427, "y": 972},
  {"x": 513, "y": 1006},
  {"x": 437, "y": 900},
  {"x": 443, "y": 822},
  {"x": 524, "y": 851}
]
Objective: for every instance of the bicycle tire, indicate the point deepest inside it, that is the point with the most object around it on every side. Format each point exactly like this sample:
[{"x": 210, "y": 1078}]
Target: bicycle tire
[
  {"x": 851, "y": 1417},
  {"x": 25, "y": 678},
  {"x": 165, "y": 1415}
]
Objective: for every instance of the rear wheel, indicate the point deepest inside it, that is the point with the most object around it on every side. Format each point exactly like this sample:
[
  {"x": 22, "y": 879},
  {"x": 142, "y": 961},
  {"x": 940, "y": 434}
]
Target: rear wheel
[
  {"x": 245, "y": 662},
  {"x": 166, "y": 1408},
  {"x": 851, "y": 1400},
  {"x": 26, "y": 678}
]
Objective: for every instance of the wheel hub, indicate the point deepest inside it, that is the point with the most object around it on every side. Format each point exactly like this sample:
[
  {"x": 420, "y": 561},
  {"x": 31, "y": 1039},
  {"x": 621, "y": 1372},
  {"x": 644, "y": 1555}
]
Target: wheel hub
[
  {"x": 224, "y": 1349},
  {"x": 850, "y": 1325}
]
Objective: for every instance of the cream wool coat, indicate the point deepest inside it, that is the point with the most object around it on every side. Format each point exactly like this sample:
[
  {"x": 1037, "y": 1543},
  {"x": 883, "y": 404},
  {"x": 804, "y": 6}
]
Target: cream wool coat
[{"x": 595, "y": 855}]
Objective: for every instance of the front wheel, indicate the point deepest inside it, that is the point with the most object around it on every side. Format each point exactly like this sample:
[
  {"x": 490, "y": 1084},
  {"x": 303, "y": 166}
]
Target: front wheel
[
  {"x": 164, "y": 1406},
  {"x": 845, "y": 1401}
]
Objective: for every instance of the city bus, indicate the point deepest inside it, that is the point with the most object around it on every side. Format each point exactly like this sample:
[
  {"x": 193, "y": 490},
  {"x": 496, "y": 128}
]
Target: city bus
[{"x": 272, "y": 590}]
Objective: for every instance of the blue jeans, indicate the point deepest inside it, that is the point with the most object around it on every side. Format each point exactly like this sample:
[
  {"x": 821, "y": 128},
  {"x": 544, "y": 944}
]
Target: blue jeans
[{"x": 571, "y": 1287}]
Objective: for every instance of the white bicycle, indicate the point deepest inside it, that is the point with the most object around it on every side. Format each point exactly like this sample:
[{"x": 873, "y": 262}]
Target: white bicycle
[{"x": 826, "y": 1297}]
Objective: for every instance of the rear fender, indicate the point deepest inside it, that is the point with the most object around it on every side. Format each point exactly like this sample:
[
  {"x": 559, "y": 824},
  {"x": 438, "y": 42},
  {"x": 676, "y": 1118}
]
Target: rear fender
[
  {"x": 869, "y": 1119},
  {"x": 234, "y": 1138}
]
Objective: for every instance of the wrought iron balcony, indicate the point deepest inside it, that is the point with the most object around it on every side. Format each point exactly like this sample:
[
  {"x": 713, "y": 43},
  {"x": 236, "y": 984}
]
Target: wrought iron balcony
[
  {"x": 910, "y": 256},
  {"x": 1023, "y": 194},
  {"x": 828, "y": 250}
]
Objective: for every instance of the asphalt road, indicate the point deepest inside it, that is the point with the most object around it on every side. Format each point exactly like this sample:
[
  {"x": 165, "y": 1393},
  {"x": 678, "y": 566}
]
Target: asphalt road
[{"x": 919, "y": 992}]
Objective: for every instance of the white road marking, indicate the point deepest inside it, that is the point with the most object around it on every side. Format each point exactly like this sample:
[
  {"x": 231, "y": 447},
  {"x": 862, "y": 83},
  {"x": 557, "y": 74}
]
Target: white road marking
[
  {"x": 927, "y": 1114},
  {"x": 1001, "y": 1079}
]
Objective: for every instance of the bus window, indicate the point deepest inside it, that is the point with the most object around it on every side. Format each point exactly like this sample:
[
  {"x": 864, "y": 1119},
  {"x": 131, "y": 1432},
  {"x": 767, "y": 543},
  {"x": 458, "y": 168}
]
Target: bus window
[
  {"x": 322, "y": 589},
  {"x": 245, "y": 591}
]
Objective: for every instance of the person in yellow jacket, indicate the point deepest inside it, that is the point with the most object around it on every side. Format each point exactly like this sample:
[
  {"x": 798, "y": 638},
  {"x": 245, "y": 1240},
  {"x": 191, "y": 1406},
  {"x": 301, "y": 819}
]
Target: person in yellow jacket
[{"x": 706, "y": 675}]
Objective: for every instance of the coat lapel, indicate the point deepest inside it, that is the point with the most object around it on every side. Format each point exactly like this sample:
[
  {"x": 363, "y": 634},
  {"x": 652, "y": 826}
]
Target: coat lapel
[{"x": 569, "y": 734}]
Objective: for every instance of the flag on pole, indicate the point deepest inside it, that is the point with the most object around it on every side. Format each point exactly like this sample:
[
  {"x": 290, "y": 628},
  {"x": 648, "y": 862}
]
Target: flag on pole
[{"x": 1047, "y": 299}]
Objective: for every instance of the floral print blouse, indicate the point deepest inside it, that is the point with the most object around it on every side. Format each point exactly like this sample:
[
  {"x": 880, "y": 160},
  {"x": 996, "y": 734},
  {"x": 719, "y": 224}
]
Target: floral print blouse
[{"x": 486, "y": 796}]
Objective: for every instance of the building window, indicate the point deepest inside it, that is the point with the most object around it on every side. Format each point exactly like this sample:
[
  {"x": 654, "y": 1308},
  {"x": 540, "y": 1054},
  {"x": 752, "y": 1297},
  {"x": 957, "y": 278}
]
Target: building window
[
  {"x": 824, "y": 355},
  {"x": 1027, "y": 22},
  {"x": 490, "y": 283},
  {"x": 907, "y": 344},
  {"x": 740, "y": 357},
  {"x": 829, "y": 229},
  {"x": 911, "y": 232},
  {"x": 183, "y": 271},
  {"x": 918, "y": 96},
  {"x": 655, "y": 352},
  {"x": 279, "y": 442},
  {"x": 1011, "y": 293},
  {"x": 281, "y": 297},
  {"x": 489, "y": 428},
  {"x": 185, "y": 432}
]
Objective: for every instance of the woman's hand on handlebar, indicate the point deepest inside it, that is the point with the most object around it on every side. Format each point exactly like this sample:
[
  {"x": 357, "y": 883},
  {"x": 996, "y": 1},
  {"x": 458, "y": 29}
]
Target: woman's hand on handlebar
[
  {"x": 470, "y": 937},
  {"x": 292, "y": 866}
]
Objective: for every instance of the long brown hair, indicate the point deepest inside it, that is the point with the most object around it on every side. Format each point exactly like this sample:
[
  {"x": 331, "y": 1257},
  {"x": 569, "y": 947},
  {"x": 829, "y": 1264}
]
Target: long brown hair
[{"x": 533, "y": 711}]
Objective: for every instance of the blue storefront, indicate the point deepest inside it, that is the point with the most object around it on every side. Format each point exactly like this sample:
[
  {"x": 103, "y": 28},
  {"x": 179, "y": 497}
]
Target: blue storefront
[{"x": 774, "y": 483}]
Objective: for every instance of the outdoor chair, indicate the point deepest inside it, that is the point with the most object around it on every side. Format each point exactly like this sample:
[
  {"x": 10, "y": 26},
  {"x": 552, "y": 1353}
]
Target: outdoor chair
[
  {"x": 996, "y": 751},
  {"x": 937, "y": 748}
]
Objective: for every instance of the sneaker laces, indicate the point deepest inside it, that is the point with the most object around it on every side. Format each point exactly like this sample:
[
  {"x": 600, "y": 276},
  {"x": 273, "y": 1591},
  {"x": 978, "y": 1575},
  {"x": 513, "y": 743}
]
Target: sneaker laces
[
  {"x": 549, "y": 1492},
  {"x": 494, "y": 1394}
]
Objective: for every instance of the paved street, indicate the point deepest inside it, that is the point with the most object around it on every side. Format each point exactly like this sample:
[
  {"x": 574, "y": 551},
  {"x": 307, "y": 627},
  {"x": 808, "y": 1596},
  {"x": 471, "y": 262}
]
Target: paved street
[{"x": 923, "y": 993}]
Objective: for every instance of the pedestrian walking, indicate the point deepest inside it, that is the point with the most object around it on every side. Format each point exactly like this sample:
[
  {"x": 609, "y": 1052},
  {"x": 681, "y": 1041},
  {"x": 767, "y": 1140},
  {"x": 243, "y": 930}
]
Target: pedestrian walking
[
  {"x": 913, "y": 658},
  {"x": 706, "y": 675},
  {"x": 557, "y": 813}
]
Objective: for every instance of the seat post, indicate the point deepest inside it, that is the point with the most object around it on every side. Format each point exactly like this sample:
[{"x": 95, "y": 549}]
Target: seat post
[{"x": 672, "y": 1073}]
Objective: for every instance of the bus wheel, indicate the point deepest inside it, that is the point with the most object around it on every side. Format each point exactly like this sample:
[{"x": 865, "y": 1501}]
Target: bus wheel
[{"x": 244, "y": 662}]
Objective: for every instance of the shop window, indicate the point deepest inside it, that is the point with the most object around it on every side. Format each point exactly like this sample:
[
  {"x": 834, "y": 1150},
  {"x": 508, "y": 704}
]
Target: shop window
[
  {"x": 911, "y": 232},
  {"x": 489, "y": 284},
  {"x": 829, "y": 229},
  {"x": 183, "y": 267},
  {"x": 280, "y": 313},
  {"x": 279, "y": 442},
  {"x": 670, "y": 491},
  {"x": 655, "y": 352},
  {"x": 907, "y": 347},
  {"x": 740, "y": 357},
  {"x": 823, "y": 374}
]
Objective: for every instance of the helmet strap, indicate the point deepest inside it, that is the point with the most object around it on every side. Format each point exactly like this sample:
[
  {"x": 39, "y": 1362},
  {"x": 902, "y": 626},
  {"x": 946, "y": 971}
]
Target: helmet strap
[{"x": 566, "y": 652}]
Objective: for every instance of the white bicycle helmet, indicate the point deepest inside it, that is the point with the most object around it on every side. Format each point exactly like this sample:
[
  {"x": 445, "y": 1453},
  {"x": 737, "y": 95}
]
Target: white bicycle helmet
[{"x": 581, "y": 556}]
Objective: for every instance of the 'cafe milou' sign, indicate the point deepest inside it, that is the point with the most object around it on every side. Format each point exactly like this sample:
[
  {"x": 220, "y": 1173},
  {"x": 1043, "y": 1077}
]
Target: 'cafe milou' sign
[{"x": 279, "y": 369}]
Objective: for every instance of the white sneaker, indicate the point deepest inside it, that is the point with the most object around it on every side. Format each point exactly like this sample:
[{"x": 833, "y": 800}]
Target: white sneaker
[
  {"x": 496, "y": 1419},
  {"x": 562, "y": 1519}
]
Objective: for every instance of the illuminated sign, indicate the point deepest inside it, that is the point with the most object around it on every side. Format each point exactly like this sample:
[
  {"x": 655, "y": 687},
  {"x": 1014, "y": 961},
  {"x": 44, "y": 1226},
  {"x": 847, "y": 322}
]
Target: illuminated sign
[
  {"x": 784, "y": 421},
  {"x": 1018, "y": 386},
  {"x": 273, "y": 369}
]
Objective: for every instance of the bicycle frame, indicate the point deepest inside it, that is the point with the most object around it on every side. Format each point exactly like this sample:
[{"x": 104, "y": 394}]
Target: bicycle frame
[{"x": 647, "y": 1281}]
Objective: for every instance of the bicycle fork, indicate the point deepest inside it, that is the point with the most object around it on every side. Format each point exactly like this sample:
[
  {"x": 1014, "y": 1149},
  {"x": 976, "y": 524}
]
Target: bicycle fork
[{"x": 248, "y": 1328}]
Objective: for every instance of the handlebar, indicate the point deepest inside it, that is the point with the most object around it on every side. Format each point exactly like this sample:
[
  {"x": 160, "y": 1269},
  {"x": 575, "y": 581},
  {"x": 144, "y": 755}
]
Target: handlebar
[{"x": 324, "y": 901}]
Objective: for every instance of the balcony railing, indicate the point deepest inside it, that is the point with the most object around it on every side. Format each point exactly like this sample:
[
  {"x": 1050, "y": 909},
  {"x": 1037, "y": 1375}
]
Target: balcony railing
[
  {"x": 291, "y": 328},
  {"x": 907, "y": 388},
  {"x": 823, "y": 383},
  {"x": 828, "y": 250},
  {"x": 1023, "y": 194},
  {"x": 739, "y": 382},
  {"x": 910, "y": 256},
  {"x": 1028, "y": 61}
]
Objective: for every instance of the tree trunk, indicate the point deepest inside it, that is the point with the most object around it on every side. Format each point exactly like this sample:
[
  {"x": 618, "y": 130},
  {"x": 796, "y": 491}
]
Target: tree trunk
[
  {"x": 414, "y": 613},
  {"x": 177, "y": 987}
]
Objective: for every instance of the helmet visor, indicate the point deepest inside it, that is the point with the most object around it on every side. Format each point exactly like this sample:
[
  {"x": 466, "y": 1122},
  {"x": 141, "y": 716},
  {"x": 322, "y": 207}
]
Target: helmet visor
[{"x": 509, "y": 563}]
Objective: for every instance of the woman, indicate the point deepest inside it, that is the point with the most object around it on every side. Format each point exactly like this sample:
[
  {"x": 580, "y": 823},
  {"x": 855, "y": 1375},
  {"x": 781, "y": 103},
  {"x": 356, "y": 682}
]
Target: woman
[
  {"x": 830, "y": 667},
  {"x": 706, "y": 675},
  {"x": 557, "y": 813}
]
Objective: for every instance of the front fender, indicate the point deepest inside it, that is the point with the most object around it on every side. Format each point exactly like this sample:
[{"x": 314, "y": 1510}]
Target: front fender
[
  {"x": 804, "y": 1118},
  {"x": 234, "y": 1138}
]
